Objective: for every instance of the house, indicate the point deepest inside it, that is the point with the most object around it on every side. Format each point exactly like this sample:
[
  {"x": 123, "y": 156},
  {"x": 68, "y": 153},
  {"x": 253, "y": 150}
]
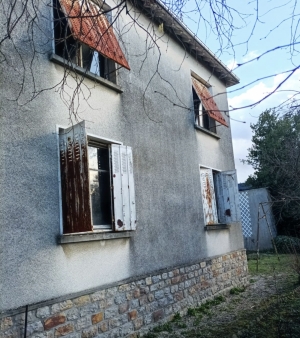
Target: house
[{"x": 119, "y": 199}]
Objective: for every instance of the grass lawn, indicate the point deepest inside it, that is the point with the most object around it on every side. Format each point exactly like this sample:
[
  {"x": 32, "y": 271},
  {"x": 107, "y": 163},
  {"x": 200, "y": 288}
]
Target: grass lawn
[{"x": 269, "y": 308}]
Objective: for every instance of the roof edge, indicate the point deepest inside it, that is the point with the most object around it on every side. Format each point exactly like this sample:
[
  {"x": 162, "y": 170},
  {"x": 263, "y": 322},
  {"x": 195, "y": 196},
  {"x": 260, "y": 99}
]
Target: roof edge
[{"x": 160, "y": 13}]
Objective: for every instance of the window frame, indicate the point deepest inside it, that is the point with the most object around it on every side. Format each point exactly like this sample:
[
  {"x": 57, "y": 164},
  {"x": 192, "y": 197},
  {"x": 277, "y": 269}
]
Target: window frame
[
  {"x": 94, "y": 138},
  {"x": 226, "y": 197},
  {"x": 203, "y": 120},
  {"x": 108, "y": 65}
]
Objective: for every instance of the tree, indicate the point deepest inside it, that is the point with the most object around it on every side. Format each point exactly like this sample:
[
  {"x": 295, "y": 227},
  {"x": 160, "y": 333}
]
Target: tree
[{"x": 275, "y": 157}]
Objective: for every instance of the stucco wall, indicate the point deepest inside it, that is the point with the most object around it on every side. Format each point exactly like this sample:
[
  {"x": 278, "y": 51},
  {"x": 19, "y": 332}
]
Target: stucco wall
[{"x": 167, "y": 151}]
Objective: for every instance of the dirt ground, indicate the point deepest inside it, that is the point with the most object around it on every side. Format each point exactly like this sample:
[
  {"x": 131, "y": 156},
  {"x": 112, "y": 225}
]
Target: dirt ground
[{"x": 268, "y": 307}]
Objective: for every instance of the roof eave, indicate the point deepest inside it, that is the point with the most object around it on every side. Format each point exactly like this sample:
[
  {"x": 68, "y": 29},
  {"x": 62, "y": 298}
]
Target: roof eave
[{"x": 189, "y": 41}]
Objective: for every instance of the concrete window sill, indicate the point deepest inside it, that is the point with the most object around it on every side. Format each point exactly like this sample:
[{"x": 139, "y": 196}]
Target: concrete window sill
[
  {"x": 205, "y": 131},
  {"x": 93, "y": 236},
  {"x": 78, "y": 70},
  {"x": 216, "y": 227}
]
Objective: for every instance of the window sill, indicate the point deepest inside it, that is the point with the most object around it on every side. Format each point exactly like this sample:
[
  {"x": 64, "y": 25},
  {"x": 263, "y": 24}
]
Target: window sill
[
  {"x": 93, "y": 236},
  {"x": 216, "y": 227},
  {"x": 62, "y": 62},
  {"x": 207, "y": 132}
]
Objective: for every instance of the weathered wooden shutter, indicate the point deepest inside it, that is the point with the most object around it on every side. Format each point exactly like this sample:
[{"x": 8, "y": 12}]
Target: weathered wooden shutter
[
  {"x": 208, "y": 196},
  {"x": 227, "y": 196},
  {"x": 75, "y": 179},
  {"x": 123, "y": 188}
]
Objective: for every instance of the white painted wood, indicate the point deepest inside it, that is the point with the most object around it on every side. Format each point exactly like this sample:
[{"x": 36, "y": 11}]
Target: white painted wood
[
  {"x": 117, "y": 188},
  {"x": 125, "y": 188},
  {"x": 208, "y": 196},
  {"x": 131, "y": 189}
]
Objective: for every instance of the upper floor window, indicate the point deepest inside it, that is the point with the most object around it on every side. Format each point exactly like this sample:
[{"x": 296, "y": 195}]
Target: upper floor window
[
  {"x": 84, "y": 36},
  {"x": 207, "y": 113},
  {"x": 202, "y": 119}
]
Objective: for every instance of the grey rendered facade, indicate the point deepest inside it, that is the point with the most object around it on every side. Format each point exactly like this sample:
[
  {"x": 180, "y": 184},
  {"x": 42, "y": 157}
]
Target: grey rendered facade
[{"x": 167, "y": 152}]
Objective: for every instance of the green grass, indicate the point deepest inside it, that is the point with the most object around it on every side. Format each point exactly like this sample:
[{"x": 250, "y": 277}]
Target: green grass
[
  {"x": 269, "y": 263},
  {"x": 276, "y": 316}
]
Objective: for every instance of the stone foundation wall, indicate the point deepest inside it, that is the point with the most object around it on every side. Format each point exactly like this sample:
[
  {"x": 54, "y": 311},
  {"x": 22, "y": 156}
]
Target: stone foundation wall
[{"x": 127, "y": 308}]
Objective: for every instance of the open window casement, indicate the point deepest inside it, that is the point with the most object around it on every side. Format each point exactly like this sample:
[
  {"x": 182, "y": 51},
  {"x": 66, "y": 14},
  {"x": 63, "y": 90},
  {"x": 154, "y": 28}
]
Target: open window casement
[
  {"x": 76, "y": 205},
  {"x": 227, "y": 196},
  {"x": 108, "y": 186},
  {"x": 208, "y": 196},
  {"x": 123, "y": 188},
  {"x": 208, "y": 102},
  {"x": 89, "y": 26}
]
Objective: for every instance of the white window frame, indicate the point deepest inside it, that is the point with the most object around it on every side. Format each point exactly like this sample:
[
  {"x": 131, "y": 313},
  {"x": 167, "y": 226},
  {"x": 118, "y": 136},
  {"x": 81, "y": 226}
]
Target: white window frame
[{"x": 96, "y": 139}]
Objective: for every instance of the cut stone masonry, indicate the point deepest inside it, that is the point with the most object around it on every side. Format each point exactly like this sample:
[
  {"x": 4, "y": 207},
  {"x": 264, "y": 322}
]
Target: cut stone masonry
[{"x": 132, "y": 308}]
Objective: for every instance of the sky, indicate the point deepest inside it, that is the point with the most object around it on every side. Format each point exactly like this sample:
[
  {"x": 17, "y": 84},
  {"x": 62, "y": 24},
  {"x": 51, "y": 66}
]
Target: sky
[{"x": 275, "y": 26}]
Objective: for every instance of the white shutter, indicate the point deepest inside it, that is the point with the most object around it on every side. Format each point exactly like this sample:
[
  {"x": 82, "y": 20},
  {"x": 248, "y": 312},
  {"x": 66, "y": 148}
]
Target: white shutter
[
  {"x": 131, "y": 189},
  {"x": 117, "y": 188},
  {"x": 123, "y": 188},
  {"x": 208, "y": 196},
  {"x": 75, "y": 179},
  {"x": 228, "y": 198}
]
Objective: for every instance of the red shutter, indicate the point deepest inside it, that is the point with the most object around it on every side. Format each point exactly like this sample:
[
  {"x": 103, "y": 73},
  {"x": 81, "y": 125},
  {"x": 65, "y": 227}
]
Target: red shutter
[
  {"x": 92, "y": 28},
  {"x": 208, "y": 102},
  {"x": 74, "y": 179}
]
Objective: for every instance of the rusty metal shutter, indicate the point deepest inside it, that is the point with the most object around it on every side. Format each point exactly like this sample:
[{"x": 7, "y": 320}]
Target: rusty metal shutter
[
  {"x": 208, "y": 196},
  {"x": 208, "y": 102},
  {"x": 92, "y": 28},
  {"x": 123, "y": 188},
  {"x": 228, "y": 197},
  {"x": 75, "y": 179}
]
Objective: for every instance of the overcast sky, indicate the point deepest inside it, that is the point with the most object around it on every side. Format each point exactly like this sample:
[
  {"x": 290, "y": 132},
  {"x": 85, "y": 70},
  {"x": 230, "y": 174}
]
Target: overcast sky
[{"x": 273, "y": 29}]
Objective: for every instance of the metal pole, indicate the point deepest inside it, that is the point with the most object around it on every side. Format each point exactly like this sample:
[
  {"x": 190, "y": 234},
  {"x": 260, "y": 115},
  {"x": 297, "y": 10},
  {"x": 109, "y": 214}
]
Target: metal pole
[
  {"x": 257, "y": 239},
  {"x": 272, "y": 238}
]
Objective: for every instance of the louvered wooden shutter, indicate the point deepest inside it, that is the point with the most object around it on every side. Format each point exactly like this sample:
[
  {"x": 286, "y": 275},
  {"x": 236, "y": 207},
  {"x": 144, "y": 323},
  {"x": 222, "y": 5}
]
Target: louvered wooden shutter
[
  {"x": 89, "y": 26},
  {"x": 123, "y": 188},
  {"x": 208, "y": 196},
  {"x": 208, "y": 102},
  {"x": 228, "y": 198},
  {"x": 75, "y": 179}
]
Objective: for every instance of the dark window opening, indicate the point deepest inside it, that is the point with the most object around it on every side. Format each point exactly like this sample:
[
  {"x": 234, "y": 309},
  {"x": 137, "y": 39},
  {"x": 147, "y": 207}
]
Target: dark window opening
[
  {"x": 100, "y": 184},
  {"x": 78, "y": 53},
  {"x": 202, "y": 119}
]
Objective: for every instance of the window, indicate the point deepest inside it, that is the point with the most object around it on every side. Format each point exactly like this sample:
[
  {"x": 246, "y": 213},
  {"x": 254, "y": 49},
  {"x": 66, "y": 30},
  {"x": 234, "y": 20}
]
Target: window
[
  {"x": 207, "y": 113},
  {"x": 96, "y": 182},
  {"x": 84, "y": 36},
  {"x": 219, "y": 196},
  {"x": 202, "y": 119}
]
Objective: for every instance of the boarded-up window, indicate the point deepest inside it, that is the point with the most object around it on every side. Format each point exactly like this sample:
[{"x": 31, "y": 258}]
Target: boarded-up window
[{"x": 97, "y": 183}]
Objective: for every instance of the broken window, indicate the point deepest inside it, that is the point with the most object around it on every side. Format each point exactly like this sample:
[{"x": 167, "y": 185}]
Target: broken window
[
  {"x": 84, "y": 36},
  {"x": 96, "y": 182},
  {"x": 219, "y": 196},
  {"x": 206, "y": 110}
]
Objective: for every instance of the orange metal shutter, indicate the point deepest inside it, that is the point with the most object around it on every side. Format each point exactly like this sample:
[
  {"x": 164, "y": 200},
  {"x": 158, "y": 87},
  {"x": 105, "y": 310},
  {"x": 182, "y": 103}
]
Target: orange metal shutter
[
  {"x": 92, "y": 28},
  {"x": 208, "y": 102}
]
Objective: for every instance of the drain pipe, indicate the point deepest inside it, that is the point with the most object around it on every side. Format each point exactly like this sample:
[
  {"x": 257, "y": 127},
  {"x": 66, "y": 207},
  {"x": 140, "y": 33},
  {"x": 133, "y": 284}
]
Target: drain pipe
[{"x": 25, "y": 326}]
